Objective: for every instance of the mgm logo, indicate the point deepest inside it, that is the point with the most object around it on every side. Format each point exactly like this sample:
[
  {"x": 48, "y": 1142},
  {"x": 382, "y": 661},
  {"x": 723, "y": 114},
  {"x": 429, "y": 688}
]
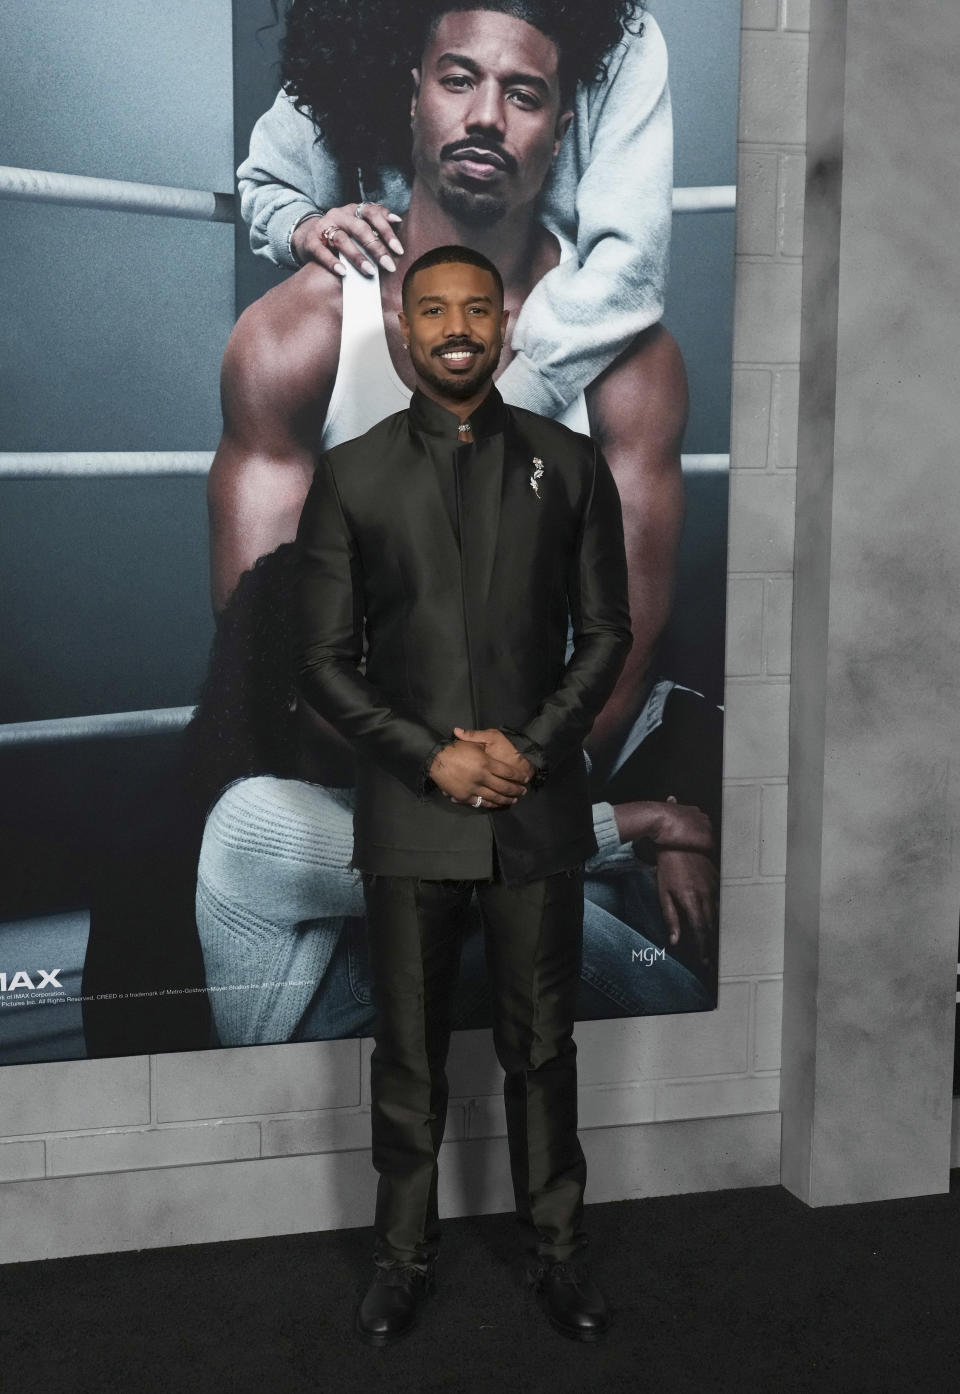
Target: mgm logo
[{"x": 648, "y": 955}]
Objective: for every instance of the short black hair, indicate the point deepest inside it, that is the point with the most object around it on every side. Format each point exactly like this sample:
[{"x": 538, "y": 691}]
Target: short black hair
[{"x": 442, "y": 256}]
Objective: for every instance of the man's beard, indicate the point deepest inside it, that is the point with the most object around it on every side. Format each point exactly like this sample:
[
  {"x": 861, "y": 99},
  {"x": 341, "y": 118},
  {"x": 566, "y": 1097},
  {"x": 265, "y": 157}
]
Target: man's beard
[
  {"x": 459, "y": 389},
  {"x": 469, "y": 208}
]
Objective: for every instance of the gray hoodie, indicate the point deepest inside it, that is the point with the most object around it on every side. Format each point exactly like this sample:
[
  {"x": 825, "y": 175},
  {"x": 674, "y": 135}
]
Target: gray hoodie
[{"x": 609, "y": 192}]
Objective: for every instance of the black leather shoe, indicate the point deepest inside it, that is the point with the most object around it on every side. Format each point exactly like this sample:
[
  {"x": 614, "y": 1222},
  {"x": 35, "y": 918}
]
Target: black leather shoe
[
  {"x": 392, "y": 1303},
  {"x": 574, "y": 1304}
]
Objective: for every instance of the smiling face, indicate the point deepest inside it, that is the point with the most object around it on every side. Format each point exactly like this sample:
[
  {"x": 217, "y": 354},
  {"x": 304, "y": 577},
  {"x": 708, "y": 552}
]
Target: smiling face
[
  {"x": 453, "y": 323},
  {"x": 486, "y": 115}
]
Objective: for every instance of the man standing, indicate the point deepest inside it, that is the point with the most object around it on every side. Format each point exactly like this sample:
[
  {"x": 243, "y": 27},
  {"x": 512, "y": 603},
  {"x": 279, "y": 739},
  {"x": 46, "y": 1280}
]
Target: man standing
[{"x": 457, "y": 537}]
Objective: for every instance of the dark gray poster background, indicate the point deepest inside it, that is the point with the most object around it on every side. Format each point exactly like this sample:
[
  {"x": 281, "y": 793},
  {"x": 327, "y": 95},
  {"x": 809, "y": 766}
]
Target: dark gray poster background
[{"x": 112, "y": 327}]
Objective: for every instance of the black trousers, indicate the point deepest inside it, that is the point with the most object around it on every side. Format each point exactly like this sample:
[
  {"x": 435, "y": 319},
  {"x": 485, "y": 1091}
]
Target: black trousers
[{"x": 533, "y": 940}]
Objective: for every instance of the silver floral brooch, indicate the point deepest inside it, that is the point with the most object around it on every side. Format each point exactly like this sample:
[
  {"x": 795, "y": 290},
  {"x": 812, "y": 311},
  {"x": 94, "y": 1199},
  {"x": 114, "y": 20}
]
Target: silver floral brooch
[{"x": 535, "y": 475}]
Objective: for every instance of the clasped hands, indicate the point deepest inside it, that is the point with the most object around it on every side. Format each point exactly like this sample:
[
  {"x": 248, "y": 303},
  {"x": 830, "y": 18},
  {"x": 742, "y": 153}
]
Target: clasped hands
[{"x": 481, "y": 764}]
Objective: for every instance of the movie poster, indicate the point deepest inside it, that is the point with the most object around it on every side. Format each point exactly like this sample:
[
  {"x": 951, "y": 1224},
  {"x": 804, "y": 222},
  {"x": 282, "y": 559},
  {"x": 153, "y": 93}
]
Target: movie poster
[{"x": 177, "y": 827}]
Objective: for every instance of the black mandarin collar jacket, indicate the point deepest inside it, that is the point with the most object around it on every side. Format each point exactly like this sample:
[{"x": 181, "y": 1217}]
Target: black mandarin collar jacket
[
  {"x": 462, "y": 564},
  {"x": 429, "y": 418}
]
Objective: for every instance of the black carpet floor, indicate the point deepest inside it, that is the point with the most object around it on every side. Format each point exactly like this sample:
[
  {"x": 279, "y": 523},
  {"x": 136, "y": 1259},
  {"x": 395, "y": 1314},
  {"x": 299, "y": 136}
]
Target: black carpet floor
[{"x": 735, "y": 1290}]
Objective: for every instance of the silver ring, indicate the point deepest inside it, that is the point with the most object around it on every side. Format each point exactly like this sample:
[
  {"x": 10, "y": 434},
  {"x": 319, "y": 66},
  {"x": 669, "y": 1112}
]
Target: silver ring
[
  {"x": 328, "y": 232},
  {"x": 478, "y": 801},
  {"x": 358, "y": 211}
]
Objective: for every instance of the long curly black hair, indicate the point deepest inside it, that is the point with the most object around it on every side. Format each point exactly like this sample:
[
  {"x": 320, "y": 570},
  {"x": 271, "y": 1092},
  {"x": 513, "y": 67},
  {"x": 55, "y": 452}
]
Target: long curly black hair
[{"x": 346, "y": 63}]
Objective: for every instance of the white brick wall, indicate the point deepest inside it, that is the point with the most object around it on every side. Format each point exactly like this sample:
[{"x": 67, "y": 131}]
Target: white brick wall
[
  {"x": 760, "y": 597},
  {"x": 137, "y": 1149},
  {"x": 755, "y": 732},
  {"x": 270, "y": 1079},
  {"x": 20, "y": 1160},
  {"x": 760, "y": 14},
  {"x": 180, "y": 1148},
  {"x": 74, "y": 1094}
]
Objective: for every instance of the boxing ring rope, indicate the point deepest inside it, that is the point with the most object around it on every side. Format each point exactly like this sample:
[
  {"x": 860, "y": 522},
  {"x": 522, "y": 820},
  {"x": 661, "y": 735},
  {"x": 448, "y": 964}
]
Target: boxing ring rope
[
  {"x": 707, "y": 198},
  {"x": 121, "y": 196},
  {"x": 108, "y": 725},
  {"x": 103, "y": 464},
  {"x": 153, "y": 464},
  {"x": 114, "y": 195}
]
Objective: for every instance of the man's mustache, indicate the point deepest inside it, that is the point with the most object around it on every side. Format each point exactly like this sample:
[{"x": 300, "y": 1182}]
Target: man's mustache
[{"x": 450, "y": 151}]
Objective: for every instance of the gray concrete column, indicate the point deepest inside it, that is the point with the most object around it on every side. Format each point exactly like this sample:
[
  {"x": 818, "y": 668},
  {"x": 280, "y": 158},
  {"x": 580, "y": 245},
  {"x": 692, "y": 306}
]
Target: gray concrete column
[{"x": 873, "y": 870}]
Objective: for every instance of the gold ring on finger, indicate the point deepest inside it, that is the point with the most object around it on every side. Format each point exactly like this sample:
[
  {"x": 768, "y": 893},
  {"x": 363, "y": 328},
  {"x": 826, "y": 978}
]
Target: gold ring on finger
[{"x": 328, "y": 232}]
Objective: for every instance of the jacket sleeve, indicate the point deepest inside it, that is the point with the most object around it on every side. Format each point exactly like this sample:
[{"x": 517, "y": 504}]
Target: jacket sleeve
[
  {"x": 329, "y": 643},
  {"x": 611, "y": 192},
  {"x": 600, "y": 611},
  {"x": 287, "y": 174}
]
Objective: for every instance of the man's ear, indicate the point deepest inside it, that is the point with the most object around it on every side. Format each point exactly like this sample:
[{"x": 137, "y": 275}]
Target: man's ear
[
  {"x": 503, "y": 325},
  {"x": 404, "y": 328},
  {"x": 560, "y": 130},
  {"x": 415, "y": 74}
]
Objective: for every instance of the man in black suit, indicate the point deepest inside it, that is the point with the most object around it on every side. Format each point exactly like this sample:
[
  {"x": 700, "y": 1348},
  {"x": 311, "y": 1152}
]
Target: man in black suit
[{"x": 457, "y": 537}]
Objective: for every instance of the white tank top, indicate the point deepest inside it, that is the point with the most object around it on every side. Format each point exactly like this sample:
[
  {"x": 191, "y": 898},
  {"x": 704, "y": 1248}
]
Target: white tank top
[{"x": 367, "y": 386}]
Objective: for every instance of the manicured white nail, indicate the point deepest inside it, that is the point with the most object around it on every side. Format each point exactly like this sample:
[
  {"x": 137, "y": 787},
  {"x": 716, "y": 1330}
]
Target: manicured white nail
[
  {"x": 339, "y": 269},
  {"x": 388, "y": 263},
  {"x": 368, "y": 268},
  {"x": 395, "y": 246},
  {"x": 394, "y": 218}
]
